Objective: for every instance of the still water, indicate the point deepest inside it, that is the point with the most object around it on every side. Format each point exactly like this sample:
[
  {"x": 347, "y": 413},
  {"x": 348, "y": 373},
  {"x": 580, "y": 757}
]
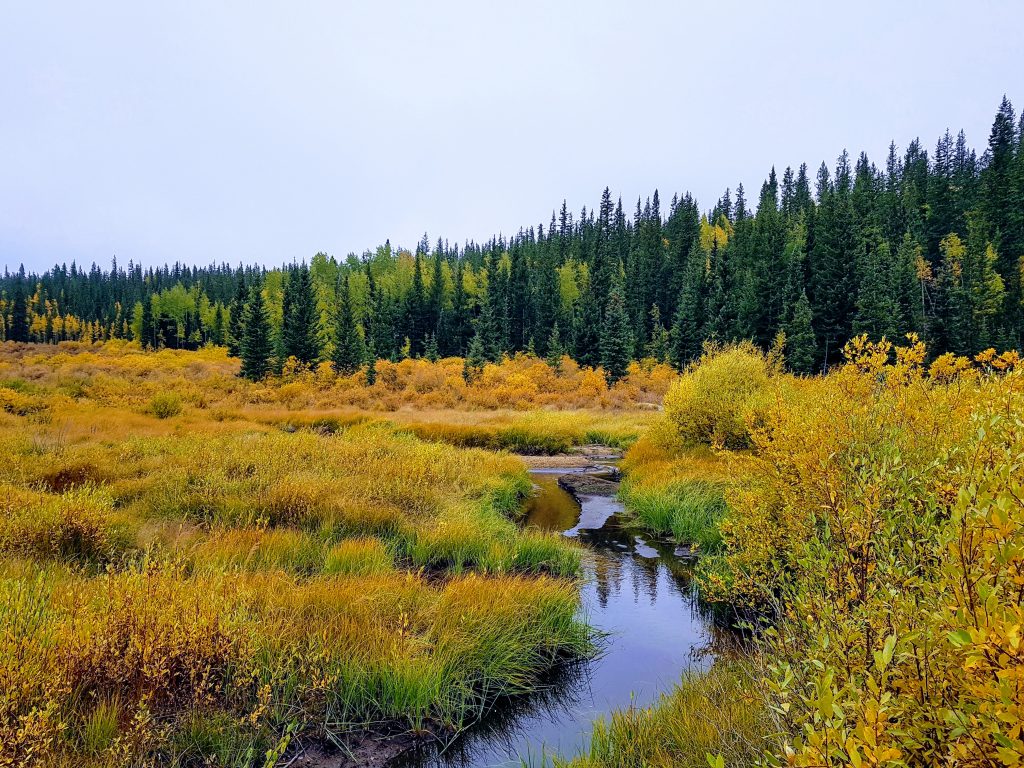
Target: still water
[{"x": 639, "y": 594}]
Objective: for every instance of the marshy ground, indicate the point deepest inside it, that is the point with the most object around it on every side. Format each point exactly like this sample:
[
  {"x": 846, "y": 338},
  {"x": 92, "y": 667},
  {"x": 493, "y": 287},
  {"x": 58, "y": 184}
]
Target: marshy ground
[{"x": 198, "y": 570}]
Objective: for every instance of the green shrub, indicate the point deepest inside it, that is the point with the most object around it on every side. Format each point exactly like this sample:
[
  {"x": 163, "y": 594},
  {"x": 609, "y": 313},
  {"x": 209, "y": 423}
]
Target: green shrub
[
  {"x": 718, "y": 398},
  {"x": 165, "y": 405}
]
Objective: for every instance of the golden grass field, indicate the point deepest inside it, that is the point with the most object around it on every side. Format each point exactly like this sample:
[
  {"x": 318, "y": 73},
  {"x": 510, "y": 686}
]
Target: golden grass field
[{"x": 197, "y": 568}]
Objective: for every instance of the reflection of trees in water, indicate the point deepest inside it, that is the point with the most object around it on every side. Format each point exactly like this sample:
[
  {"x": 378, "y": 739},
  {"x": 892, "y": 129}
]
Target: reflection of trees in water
[
  {"x": 508, "y": 722},
  {"x": 607, "y": 578},
  {"x": 617, "y": 555}
]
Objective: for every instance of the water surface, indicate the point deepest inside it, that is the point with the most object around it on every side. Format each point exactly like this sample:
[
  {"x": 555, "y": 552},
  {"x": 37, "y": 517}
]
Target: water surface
[{"x": 639, "y": 593}]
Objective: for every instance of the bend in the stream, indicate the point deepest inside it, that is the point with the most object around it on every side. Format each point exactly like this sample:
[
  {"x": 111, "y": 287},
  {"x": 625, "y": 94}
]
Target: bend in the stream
[{"x": 637, "y": 593}]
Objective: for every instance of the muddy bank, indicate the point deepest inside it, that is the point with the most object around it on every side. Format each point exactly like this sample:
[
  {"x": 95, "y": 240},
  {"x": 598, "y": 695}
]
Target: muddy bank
[
  {"x": 589, "y": 485},
  {"x": 582, "y": 457},
  {"x": 367, "y": 751}
]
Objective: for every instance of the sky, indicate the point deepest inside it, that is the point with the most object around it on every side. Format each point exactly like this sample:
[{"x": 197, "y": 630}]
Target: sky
[{"x": 202, "y": 131}]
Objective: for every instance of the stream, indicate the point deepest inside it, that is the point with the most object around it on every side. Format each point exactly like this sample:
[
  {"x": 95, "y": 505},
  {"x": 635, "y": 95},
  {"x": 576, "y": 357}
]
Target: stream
[{"x": 639, "y": 594}]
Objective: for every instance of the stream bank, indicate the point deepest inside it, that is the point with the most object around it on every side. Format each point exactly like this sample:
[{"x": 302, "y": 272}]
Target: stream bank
[{"x": 637, "y": 592}]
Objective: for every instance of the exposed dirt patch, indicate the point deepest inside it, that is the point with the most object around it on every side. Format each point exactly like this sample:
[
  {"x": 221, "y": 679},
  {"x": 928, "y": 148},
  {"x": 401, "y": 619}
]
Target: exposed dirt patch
[
  {"x": 557, "y": 462},
  {"x": 582, "y": 457},
  {"x": 588, "y": 485},
  {"x": 596, "y": 451},
  {"x": 364, "y": 750}
]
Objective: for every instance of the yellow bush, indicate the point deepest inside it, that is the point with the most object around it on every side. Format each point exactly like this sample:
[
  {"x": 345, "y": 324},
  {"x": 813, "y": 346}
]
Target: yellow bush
[
  {"x": 886, "y": 536},
  {"x": 165, "y": 405},
  {"x": 722, "y": 396}
]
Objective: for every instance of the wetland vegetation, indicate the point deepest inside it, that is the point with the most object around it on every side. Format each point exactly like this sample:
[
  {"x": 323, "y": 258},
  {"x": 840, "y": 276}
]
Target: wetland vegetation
[{"x": 252, "y": 516}]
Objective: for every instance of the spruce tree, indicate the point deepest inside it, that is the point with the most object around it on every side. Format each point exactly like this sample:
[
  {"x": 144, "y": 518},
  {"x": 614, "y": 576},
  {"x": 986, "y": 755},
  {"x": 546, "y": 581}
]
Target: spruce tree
[
  {"x": 371, "y": 365},
  {"x": 587, "y": 330},
  {"x": 236, "y": 317},
  {"x": 475, "y": 359},
  {"x": 257, "y": 345},
  {"x": 300, "y": 323},
  {"x": 658, "y": 345},
  {"x": 18, "y": 329},
  {"x": 555, "y": 349},
  {"x": 217, "y": 332},
  {"x": 147, "y": 325},
  {"x": 801, "y": 348},
  {"x": 688, "y": 326},
  {"x": 348, "y": 344},
  {"x": 616, "y": 334},
  {"x": 415, "y": 310},
  {"x": 876, "y": 305},
  {"x": 430, "y": 350}
]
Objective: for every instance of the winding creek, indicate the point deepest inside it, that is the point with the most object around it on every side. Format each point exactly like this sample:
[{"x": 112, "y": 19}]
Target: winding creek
[{"x": 638, "y": 593}]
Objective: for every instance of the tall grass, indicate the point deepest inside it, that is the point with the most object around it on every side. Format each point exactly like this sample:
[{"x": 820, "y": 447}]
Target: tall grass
[
  {"x": 715, "y": 712},
  {"x": 202, "y": 587},
  {"x": 678, "y": 490}
]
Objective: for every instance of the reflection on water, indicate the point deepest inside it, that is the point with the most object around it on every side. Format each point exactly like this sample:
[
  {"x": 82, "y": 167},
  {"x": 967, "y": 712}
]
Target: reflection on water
[{"x": 638, "y": 592}]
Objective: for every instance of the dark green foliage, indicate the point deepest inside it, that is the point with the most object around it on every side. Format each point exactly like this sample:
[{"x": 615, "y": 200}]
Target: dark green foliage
[
  {"x": 217, "y": 333},
  {"x": 18, "y": 328},
  {"x": 475, "y": 359},
  {"x": 371, "y": 366},
  {"x": 616, "y": 334},
  {"x": 349, "y": 350},
  {"x": 148, "y": 325},
  {"x": 801, "y": 349},
  {"x": 300, "y": 326},
  {"x": 861, "y": 248},
  {"x": 658, "y": 344},
  {"x": 236, "y": 318},
  {"x": 257, "y": 346},
  {"x": 687, "y": 332},
  {"x": 555, "y": 349}
]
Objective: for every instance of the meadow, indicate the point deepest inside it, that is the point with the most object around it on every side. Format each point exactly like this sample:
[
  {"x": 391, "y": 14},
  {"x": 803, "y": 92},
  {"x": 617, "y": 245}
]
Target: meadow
[{"x": 196, "y": 568}]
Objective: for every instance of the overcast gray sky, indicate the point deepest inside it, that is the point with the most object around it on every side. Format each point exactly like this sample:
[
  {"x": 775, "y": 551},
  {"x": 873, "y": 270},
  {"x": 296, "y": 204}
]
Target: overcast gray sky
[{"x": 265, "y": 131}]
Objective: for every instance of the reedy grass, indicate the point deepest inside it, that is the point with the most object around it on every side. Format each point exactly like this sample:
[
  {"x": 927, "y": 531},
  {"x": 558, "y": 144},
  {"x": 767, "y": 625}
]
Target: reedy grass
[
  {"x": 720, "y": 711},
  {"x": 191, "y": 588},
  {"x": 680, "y": 491},
  {"x": 689, "y": 512}
]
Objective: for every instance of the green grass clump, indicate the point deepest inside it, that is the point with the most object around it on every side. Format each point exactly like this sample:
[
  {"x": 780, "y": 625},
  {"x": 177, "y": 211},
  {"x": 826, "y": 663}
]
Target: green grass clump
[
  {"x": 359, "y": 557},
  {"x": 688, "y": 511},
  {"x": 716, "y": 712},
  {"x": 164, "y": 405}
]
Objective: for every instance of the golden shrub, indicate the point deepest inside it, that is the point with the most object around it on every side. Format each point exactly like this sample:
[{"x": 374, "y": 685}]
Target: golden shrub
[{"x": 722, "y": 396}]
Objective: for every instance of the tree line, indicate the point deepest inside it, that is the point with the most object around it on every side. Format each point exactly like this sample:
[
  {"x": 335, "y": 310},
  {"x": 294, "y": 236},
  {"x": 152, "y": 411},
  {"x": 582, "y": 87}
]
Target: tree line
[{"x": 930, "y": 243}]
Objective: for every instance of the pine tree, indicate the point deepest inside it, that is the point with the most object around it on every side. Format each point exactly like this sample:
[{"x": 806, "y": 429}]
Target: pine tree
[
  {"x": 801, "y": 348},
  {"x": 371, "y": 366},
  {"x": 1001, "y": 203},
  {"x": 147, "y": 327},
  {"x": 555, "y": 349},
  {"x": 18, "y": 329},
  {"x": 616, "y": 334},
  {"x": 300, "y": 328},
  {"x": 586, "y": 337},
  {"x": 876, "y": 306},
  {"x": 217, "y": 333},
  {"x": 688, "y": 327},
  {"x": 415, "y": 310},
  {"x": 430, "y": 350},
  {"x": 236, "y": 316},
  {"x": 257, "y": 346},
  {"x": 952, "y": 327},
  {"x": 348, "y": 344},
  {"x": 475, "y": 359},
  {"x": 658, "y": 345}
]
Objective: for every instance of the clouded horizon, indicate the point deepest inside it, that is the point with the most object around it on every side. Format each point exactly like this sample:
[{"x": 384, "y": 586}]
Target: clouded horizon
[{"x": 265, "y": 132}]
